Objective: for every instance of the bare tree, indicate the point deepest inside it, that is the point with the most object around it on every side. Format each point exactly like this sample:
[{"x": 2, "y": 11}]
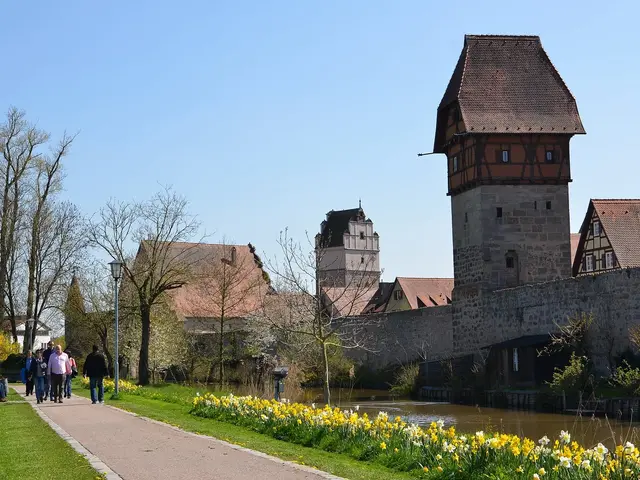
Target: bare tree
[
  {"x": 20, "y": 142},
  {"x": 311, "y": 310},
  {"x": 45, "y": 214},
  {"x": 157, "y": 226},
  {"x": 59, "y": 247},
  {"x": 231, "y": 285}
]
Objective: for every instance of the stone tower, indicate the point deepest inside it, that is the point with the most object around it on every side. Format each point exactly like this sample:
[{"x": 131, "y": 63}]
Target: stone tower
[
  {"x": 347, "y": 250},
  {"x": 505, "y": 123}
]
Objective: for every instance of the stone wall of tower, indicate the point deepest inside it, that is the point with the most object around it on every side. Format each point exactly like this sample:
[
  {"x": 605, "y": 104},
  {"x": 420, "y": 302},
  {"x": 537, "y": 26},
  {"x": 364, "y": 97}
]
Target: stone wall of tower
[{"x": 527, "y": 222}]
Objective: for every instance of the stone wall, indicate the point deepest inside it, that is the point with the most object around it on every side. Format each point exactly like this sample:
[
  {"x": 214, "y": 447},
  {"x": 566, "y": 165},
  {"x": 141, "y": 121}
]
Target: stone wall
[
  {"x": 613, "y": 298},
  {"x": 532, "y": 225},
  {"x": 405, "y": 336}
]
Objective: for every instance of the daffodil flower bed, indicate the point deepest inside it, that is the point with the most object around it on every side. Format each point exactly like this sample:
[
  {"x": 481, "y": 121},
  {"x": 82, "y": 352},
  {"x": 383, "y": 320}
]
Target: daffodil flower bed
[
  {"x": 432, "y": 452},
  {"x": 109, "y": 385}
]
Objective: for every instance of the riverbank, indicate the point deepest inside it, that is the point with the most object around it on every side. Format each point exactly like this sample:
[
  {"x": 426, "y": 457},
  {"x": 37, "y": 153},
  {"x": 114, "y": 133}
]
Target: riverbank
[
  {"x": 178, "y": 414},
  {"x": 31, "y": 449}
]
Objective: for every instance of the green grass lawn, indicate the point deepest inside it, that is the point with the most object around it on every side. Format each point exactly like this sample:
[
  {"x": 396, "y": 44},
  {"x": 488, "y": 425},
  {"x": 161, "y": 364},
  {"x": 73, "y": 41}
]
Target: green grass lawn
[
  {"x": 29, "y": 448},
  {"x": 177, "y": 414}
]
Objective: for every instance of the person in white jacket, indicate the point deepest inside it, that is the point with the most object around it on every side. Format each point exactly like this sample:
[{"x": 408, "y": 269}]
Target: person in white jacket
[{"x": 57, "y": 369}]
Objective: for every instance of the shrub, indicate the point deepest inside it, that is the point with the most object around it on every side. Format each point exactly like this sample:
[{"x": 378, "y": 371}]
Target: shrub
[
  {"x": 572, "y": 378},
  {"x": 7, "y": 347},
  {"x": 406, "y": 379},
  {"x": 627, "y": 378}
]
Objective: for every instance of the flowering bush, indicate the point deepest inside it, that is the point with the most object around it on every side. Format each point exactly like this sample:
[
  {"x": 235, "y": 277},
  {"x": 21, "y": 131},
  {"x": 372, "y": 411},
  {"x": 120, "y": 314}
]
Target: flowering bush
[
  {"x": 109, "y": 385},
  {"x": 433, "y": 452}
]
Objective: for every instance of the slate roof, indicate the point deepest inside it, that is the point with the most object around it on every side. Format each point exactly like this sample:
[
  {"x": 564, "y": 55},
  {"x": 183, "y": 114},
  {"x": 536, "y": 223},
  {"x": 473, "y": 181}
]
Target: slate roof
[
  {"x": 337, "y": 222},
  {"x": 431, "y": 292},
  {"x": 507, "y": 84}
]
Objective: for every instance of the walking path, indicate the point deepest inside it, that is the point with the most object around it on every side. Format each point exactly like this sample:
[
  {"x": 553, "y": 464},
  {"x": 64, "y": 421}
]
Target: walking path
[{"x": 136, "y": 448}]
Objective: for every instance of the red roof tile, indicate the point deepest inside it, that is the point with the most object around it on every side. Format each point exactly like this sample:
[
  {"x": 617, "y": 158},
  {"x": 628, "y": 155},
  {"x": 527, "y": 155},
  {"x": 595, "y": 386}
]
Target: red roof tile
[
  {"x": 575, "y": 240},
  {"x": 507, "y": 84},
  {"x": 431, "y": 291},
  {"x": 620, "y": 220},
  {"x": 202, "y": 296}
]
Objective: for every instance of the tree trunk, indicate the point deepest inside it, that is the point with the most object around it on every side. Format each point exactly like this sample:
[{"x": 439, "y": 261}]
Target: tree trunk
[
  {"x": 104, "y": 340},
  {"x": 143, "y": 363},
  {"x": 221, "y": 352},
  {"x": 325, "y": 362},
  {"x": 4, "y": 254},
  {"x": 31, "y": 263}
]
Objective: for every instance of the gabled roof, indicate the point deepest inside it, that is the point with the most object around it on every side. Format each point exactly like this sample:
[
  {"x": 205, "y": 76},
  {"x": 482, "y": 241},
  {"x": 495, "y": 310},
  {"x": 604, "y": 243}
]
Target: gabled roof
[
  {"x": 428, "y": 292},
  {"x": 20, "y": 321},
  {"x": 620, "y": 221},
  {"x": 378, "y": 302},
  {"x": 507, "y": 84},
  {"x": 349, "y": 301},
  {"x": 575, "y": 240},
  {"x": 212, "y": 272},
  {"x": 336, "y": 224}
]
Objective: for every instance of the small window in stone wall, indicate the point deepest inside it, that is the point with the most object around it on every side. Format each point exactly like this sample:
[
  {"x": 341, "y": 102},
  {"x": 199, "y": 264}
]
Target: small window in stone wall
[
  {"x": 548, "y": 204},
  {"x": 466, "y": 217},
  {"x": 511, "y": 262},
  {"x": 499, "y": 212}
]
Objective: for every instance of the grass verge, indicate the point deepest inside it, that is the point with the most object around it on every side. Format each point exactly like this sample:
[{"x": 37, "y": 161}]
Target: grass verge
[
  {"x": 31, "y": 449},
  {"x": 177, "y": 414}
]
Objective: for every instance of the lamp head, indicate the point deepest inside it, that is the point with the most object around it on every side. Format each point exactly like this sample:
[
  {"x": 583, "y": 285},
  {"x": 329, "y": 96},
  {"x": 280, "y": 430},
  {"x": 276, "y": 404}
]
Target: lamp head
[{"x": 116, "y": 269}]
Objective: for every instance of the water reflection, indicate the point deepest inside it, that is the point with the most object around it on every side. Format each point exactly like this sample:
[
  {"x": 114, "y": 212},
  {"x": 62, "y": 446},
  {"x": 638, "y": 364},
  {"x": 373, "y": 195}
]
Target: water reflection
[{"x": 587, "y": 431}]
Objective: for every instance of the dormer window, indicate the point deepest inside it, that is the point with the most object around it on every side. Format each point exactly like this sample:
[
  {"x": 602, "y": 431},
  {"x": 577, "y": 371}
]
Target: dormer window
[{"x": 397, "y": 295}]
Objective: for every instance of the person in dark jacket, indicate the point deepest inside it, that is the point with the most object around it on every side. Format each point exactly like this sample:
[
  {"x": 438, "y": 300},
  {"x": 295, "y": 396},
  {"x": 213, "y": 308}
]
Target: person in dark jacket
[
  {"x": 95, "y": 367},
  {"x": 39, "y": 374},
  {"x": 48, "y": 389},
  {"x": 28, "y": 377}
]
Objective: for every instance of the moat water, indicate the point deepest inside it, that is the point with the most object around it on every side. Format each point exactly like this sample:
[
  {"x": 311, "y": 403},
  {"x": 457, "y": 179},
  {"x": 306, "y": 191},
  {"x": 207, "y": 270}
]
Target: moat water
[{"x": 586, "y": 430}]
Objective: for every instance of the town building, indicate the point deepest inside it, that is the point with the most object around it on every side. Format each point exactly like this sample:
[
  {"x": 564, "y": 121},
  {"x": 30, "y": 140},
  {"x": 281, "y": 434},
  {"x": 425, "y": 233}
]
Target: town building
[
  {"x": 609, "y": 237},
  {"x": 505, "y": 124}
]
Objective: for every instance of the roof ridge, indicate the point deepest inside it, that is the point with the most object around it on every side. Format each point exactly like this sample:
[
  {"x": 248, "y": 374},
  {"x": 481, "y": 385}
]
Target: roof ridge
[
  {"x": 427, "y": 278},
  {"x": 486, "y": 36},
  {"x": 615, "y": 200}
]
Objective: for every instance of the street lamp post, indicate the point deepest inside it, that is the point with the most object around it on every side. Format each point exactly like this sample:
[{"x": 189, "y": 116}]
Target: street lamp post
[{"x": 116, "y": 272}]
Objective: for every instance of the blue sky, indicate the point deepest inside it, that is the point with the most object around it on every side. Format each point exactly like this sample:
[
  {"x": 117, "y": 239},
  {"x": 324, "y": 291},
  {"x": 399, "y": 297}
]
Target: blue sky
[{"x": 267, "y": 115}]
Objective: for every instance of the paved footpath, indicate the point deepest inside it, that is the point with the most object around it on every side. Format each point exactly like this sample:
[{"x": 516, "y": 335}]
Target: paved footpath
[{"x": 136, "y": 448}]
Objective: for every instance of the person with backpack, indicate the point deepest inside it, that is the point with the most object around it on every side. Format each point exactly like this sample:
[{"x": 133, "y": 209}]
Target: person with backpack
[
  {"x": 95, "y": 367},
  {"x": 68, "y": 378}
]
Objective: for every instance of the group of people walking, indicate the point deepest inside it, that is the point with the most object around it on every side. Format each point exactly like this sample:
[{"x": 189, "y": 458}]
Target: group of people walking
[{"x": 52, "y": 370}]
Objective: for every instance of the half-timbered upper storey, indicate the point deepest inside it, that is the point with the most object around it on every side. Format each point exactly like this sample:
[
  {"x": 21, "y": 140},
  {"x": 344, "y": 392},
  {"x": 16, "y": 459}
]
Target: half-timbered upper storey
[
  {"x": 609, "y": 237},
  {"x": 506, "y": 116}
]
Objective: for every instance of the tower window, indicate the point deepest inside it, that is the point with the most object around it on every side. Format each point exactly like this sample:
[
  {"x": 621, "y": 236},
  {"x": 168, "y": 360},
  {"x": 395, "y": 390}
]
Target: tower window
[
  {"x": 548, "y": 204},
  {"x": 466, "y": 217},
  {"x": 361, "y": 235},
  {"x": 535, "y": 204},
  {"x": 499, "y": 212},
  {"x": 510, "y": 262},
  {"x": 549, "y": 156},
  {"x": 596, "y": 228},
  {"x": 505, "y": 156},
  {"x": 361, "y": 259},
  {"x": 455, "y": 163}
]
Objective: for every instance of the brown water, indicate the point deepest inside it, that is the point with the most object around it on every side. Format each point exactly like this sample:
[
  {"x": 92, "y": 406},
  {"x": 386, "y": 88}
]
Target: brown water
[{"x": 587, "y": 431}]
